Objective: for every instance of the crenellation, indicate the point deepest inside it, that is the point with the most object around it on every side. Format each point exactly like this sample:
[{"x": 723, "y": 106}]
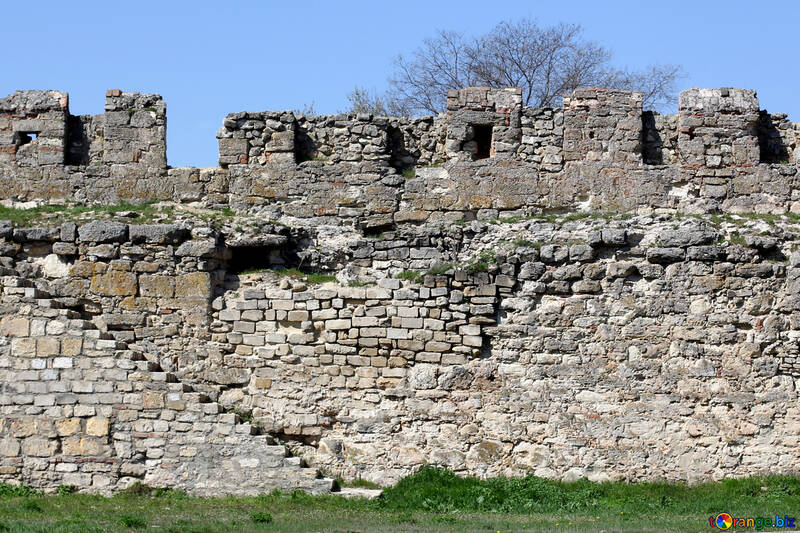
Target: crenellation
[
  {"x": 33, "y": 128},
  {"x": 601, "y": 124},
  {"x": 718, "y": 153}
]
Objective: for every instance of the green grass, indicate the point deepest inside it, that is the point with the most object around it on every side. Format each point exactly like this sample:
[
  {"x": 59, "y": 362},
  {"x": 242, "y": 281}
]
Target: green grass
[
  {"x": 409, "y": 173},
  {"x": 261, "y": 518},
  {"x": 735, "y": 238},
  {"x": 132, "y": 521},
  {"x": 525, "y": 243},
  {"x": 55, "y": 214},
  {"x": 478, "y": 266},
  {"x": 411, "y": 275},
  {"x": 430, "y": 500},
  {"x": 313, "y": 278},
  {"x": 438, "y": 270}
]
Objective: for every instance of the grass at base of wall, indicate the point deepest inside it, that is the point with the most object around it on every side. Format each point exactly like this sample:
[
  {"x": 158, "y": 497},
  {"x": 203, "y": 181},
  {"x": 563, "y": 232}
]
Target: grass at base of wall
[{"x": 430, "y": 500}]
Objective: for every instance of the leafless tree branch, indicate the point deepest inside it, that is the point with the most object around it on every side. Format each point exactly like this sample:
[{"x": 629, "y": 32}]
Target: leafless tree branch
[{"x": 546, "y": 62}]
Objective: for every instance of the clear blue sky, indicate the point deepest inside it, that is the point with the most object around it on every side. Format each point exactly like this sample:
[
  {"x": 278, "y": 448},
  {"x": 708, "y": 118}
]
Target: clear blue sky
[{"x": 209, "y": 59}]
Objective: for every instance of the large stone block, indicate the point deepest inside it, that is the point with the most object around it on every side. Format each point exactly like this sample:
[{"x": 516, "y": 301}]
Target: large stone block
[
  {"x": 39, "y": 447},
  {"x": 14, "y": 326},
  {"x": 101, "y": 231},
  {"x": 156, "y": 285},
  {"x": 114, "y": 283},
  {"x": 84, "y": 446},
  {"x": 194, "y": 285},
  {"x": 97, "y": 426},
  {"x": 9, "y": 447}
]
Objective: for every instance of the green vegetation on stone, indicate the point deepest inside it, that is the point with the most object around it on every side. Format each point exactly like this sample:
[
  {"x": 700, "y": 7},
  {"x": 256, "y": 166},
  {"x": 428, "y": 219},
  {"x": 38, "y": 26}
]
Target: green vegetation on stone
[
  {"x": 482, "y": 262},
  {"x": 411, "y": 275},
  {"x": 736, "y": 238},
  {"x": 313, "y": 278},
  {"x": 438, "y": 270},
  {"x": 525, "y": 243},
  {"x": 55, "y": 214}
]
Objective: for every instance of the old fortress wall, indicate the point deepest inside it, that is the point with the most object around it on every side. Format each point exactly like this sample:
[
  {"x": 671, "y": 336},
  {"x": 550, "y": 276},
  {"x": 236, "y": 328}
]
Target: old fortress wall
[{"x": 588, "y": 291}]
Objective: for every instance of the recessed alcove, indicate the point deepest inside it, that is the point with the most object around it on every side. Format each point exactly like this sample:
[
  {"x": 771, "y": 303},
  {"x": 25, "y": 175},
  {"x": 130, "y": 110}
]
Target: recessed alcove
[{"x": 482, "y": 135}]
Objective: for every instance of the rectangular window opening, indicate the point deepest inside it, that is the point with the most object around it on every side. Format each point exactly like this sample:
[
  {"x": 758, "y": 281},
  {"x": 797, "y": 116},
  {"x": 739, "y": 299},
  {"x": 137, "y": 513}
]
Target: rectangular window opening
[
  {"x": 482, "y": 134},
  {"x": 25, "y": 137}
]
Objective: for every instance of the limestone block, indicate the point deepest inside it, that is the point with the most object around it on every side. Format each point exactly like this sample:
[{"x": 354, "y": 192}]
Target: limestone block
[
  {"x": 23, "y": 347},
  {"x": 337, "y": 324},
  {"x": 71, "y": 346},
  {"x": 193, "y": 285},
  {"x": 11, "y": 326},
  {"x": 9, "y": 447},
  {"x": 97, "y": 426},
  {"x": 156, "y": 285},
  {"x": 83, "y": 446},
  {"x": 23, "y": 428},
  {"x": 68, "y": 426},
  {"x": 103, "y": 231},
  {"x": 39, "y": 447},
  {"x": 48, "y": 346},
  {"x": 114, "y": 283},
  {"x": 153, "y": 400}
]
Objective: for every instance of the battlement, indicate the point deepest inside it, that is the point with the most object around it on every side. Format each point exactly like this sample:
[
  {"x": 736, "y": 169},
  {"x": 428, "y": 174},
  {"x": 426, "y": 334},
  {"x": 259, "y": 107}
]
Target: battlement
[{"x": 717, "y": 153}]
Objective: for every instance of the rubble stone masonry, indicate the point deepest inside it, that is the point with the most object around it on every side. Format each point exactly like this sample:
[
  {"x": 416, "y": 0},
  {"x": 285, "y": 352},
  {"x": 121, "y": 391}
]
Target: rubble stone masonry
[{"x": 590, "y": 291}]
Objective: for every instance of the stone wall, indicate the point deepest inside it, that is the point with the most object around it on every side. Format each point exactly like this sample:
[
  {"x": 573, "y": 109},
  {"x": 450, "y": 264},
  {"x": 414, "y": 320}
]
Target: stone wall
[
  {"x": 85, "y": 398},
  {"x": 33, "y": 127},
  {"x": 593, "y": 291},
  {"x": 651, "y": 347},
  {"x": 47, "y": 153},
  {"x": 719, "y": 153}
]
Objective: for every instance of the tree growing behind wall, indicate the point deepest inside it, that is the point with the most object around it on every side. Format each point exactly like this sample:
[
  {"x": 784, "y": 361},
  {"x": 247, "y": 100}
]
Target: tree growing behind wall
[
  {"x": 361, "y": 100},
  {"x": 545, "y": 62}
]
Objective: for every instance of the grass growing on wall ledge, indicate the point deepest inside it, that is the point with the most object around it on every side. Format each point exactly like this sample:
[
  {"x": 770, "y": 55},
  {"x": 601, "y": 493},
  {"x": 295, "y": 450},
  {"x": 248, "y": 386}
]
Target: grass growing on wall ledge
[{"x": 430, "y": 500}]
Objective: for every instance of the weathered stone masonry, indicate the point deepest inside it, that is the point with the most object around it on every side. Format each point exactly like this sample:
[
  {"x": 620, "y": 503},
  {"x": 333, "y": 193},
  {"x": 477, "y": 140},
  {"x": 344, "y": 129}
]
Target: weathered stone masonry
[{"x": 483, "y": 317}]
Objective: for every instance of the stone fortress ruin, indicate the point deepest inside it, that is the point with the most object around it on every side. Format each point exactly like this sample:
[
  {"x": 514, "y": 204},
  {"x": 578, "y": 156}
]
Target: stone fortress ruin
[{"x": 587, "y": 291}]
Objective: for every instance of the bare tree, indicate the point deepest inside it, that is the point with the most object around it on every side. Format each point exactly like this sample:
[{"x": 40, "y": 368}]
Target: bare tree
[
  {"x": 420, "y": 84},
  {"x": 363, "y": 101},
  {"x": 545, "y": 62}
]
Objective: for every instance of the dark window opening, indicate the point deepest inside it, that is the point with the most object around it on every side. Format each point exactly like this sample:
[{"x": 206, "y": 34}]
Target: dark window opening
[
  {"x": 25, "y": 137},
  {"x": 770, "y": 140},
  {"x": 78, "y": 142},
  {"x": 650, "y": 140},
  {"x": 374, "y": 230},
  {"x": 482, "y": 134},
  {"x": 399, "y": 156},
  {"x": 305, "y": 149},
  {"x": 245, "y": 259}
]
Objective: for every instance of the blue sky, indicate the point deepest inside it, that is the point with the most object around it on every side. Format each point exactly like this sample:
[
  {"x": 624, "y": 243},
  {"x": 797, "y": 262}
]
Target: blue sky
[{"x": 209, "y": 59}]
